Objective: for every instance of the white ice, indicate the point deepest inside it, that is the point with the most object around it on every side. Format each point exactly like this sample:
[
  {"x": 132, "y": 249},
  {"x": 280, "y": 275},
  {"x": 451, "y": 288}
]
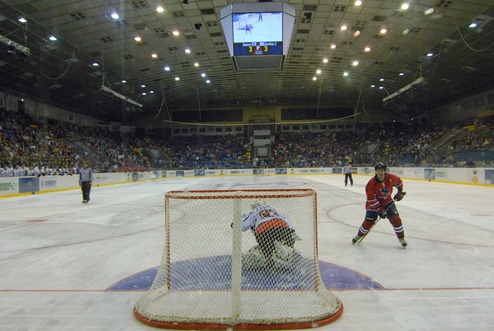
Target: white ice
[{"x": 58, "y": 256}]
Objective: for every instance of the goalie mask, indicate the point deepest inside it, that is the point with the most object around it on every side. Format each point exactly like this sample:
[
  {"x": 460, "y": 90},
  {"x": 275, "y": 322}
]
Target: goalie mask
[{"x": 256, "y": 203}]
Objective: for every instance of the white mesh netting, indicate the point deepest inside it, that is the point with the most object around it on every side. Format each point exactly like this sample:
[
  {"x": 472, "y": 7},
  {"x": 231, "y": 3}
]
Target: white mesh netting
[{"x": 214, "y": 276}]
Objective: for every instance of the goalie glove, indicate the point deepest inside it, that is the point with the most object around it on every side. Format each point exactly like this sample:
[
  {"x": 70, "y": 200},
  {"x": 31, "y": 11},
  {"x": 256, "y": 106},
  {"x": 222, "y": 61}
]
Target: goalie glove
[{"x": 398, "y": 196}]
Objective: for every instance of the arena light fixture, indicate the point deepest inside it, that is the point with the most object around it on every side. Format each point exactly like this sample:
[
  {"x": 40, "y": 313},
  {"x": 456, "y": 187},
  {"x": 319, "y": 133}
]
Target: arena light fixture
[
  {"x": 404, "y": 89},
  {"x": 18, "y": 48},
  {"x": 119, "y": 96}
]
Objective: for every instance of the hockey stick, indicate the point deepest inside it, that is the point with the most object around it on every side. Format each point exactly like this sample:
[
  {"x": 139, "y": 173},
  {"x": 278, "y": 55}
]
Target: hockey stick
[{"x": 359, "y": 240}]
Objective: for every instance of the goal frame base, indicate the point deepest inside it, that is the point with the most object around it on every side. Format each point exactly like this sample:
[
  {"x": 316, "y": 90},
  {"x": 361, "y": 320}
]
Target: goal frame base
[{"x": 241, "y": 326}]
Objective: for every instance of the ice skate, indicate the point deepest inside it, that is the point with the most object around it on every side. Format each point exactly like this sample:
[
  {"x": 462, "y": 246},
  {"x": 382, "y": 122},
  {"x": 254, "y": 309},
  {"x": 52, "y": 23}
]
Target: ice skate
[
  {"x": 356, "y": 239},
  {"x": 403, "y": 242}
]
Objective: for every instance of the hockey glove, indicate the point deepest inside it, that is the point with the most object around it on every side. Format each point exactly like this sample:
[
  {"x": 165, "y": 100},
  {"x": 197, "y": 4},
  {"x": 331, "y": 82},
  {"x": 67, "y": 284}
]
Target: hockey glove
[{"x": 398, "y": 196}]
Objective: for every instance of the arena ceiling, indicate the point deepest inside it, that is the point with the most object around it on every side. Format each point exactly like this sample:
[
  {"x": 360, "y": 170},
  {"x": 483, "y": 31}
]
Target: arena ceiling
[{"x": 432, "y": 39}]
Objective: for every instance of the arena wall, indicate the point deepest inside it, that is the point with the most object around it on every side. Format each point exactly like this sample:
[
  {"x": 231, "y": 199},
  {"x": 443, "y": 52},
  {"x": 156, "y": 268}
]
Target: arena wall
[{"x": 12, "y": 186}]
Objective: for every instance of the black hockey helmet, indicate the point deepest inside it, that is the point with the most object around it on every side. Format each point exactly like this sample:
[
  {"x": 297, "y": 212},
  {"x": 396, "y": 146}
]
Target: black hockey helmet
[{"x": 380, "y": 165}]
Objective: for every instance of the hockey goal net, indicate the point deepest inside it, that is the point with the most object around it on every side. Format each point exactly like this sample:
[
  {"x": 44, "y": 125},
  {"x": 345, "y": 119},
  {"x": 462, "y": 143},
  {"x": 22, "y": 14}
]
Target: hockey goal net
[{"x": 213, "y": 275}]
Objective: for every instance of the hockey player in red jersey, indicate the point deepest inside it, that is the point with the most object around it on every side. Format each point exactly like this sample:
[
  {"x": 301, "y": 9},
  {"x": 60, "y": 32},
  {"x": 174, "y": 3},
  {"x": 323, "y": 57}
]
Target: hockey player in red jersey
[{"x": 380, "y": 204}]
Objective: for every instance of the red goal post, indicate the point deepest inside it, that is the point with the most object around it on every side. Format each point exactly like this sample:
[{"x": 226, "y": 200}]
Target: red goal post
[{"x": 207, "y": 278}]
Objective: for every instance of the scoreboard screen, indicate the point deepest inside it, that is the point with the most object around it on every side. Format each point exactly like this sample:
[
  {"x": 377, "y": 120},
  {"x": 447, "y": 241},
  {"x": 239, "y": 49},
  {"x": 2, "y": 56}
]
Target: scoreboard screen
[
  {"x": 259, "y": 48},
  {"x": 258, "y": 33}
]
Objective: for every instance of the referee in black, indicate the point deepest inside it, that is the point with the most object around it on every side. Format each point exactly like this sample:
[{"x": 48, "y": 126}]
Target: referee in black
[
  {"x": 347, "y": 170},
  {"x": 85, "y": 181}
]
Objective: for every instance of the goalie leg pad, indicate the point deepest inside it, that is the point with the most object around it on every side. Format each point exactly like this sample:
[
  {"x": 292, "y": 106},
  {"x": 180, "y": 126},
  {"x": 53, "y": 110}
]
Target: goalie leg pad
[
  {"x": 267, "y": 239},
  {"x": 284, "y": 257},
  {"x": 254, "y": 259}
]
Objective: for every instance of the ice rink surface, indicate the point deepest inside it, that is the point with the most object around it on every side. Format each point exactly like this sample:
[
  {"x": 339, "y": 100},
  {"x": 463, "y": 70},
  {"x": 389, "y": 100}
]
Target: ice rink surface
[{"x": 59, "y": 258}]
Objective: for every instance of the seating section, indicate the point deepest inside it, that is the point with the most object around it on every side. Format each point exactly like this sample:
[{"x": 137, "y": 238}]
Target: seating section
[{"x": 30, "y": 147}]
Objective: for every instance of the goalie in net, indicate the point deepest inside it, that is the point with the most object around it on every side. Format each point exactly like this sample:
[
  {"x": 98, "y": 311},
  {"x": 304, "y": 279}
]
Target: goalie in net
[
  {"x": 275, "y": 237},
  {"x": 215, "y": 277}
]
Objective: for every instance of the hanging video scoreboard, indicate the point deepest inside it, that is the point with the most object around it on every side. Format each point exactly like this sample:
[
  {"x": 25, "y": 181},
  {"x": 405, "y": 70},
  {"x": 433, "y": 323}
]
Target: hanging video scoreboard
[
  {"x": 259, "y": 48},
  {"x": 258, "y": 34}
]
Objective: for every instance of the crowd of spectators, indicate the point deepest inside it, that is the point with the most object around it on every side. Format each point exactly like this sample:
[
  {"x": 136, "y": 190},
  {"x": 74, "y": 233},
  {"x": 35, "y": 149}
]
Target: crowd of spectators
[
  {"x": 29, "y": 147},
  {"x": 305, "y": 149},
  {"x": 210, "y": 152}
]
